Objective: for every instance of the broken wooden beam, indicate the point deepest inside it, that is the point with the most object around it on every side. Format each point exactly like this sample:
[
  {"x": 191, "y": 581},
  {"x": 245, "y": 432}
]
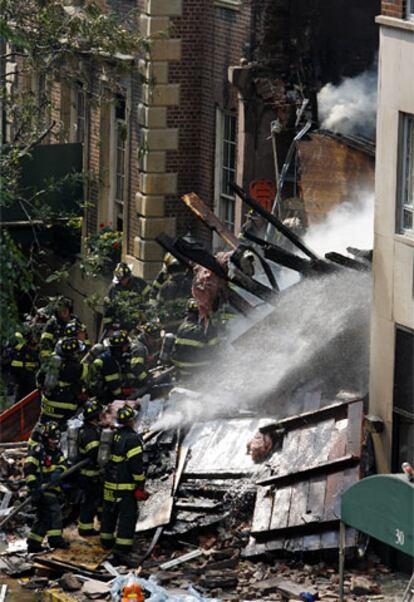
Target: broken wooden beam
[
  {"x": 210, "y": 219},
  {"x": 269, "y": 217},
  {"x": 338, "y": 410},
  {"x": 348, "y": 262},
  {"x": 323, "y": 468},
  {"x": 234, "y": 298},
  {"x": 207, "y": 260}
]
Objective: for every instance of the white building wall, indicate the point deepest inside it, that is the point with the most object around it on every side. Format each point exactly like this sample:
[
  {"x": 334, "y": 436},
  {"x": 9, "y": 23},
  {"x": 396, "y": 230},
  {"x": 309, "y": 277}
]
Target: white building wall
[{"x": 393, "y": 299}]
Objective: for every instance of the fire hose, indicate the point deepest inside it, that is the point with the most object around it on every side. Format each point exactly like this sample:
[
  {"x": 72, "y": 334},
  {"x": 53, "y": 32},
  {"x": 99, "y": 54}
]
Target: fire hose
[{"x": 26, "y": 502}]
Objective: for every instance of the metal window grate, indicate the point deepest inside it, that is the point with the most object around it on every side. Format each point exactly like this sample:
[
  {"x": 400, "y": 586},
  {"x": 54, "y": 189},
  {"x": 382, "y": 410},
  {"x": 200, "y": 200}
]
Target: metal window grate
[
  {"x": 228, "y": 170},
  {"x": 407, "y": 183}
]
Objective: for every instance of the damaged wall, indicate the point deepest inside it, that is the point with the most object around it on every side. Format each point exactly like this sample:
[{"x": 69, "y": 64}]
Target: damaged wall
[{"x": 331, "y": 172}]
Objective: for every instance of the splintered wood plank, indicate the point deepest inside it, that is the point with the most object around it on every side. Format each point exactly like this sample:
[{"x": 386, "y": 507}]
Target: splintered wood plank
[
  {"x": 262, "y": 510},
  {"x": 336, "y": 485},
  {"x": 316, "y": 499},
  {"x": 305, "y": 442},
  {"x": 355, "y": 422},
  {"x": 203, "y": 212},
  {"x": 289, "y": 451},
  {"x": 219, "y": 447},
  {"x": 281, "y": 508},
  {"x": 338, "y": 440},
  {"x": 298, "y": 504}
]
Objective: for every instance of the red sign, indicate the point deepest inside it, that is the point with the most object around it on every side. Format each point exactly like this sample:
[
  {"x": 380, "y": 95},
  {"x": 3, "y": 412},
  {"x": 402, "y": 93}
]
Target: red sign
[{"x": 263, "y": 192}]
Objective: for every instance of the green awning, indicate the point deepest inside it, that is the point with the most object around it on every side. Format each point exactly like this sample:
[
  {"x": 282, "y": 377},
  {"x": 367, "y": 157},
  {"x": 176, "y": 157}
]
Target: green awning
[{"x": 382, "y": 506}]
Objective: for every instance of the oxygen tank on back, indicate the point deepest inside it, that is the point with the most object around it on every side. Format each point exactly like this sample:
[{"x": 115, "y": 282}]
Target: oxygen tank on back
[
  {"x": 73, "y": 446},
  {"x": 105, "y": 447}
]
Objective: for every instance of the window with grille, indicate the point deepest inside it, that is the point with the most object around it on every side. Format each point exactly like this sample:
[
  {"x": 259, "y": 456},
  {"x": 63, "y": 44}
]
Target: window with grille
[
  {"x": 119, "y": 141},
  {"x": 406, "y": 184},
  {"x": 226, "y": 166},
  {"x": 80, "y": 103}
]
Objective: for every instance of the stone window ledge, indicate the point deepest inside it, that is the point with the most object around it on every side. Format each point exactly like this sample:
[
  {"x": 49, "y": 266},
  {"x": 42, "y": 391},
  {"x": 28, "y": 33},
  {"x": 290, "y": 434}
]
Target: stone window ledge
[
  {"x": 404, "y": 24},
  {"x": 229, "y": 4}
]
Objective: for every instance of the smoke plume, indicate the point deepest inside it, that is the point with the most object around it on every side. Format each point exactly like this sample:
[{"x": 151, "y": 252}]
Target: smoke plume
[{"x": 351, "y": 107}]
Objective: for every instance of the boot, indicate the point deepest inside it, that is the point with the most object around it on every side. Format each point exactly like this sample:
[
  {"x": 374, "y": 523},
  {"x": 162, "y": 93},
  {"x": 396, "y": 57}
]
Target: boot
[
  {"x": 123, "y": 559},
  {"x": 88, "y": 533},
  {"x": 58, "y": 542},
  {"x": 34, "y": 547}
]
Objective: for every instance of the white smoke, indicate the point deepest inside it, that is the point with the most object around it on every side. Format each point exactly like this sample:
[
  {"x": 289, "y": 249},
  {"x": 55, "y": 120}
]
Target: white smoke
[
  {"x": 351, "y": 107},
  {"x": 347, "y": 225}
]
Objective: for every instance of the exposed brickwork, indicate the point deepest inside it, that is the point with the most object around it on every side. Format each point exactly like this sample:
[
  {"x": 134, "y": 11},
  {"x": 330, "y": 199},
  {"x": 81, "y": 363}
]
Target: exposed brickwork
[
  {"x": 393, "y": 8},
  {"x": 212, "y": 40}
]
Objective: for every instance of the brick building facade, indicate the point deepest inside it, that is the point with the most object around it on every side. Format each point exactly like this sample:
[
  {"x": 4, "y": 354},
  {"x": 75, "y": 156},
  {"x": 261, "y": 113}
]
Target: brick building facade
[{"x": 221, "y": 71}]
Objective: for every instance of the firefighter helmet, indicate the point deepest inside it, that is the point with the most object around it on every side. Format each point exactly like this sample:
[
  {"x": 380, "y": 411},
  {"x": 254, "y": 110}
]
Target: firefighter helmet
[
  {"x": 92, "y": 409},
  {"x": 152, "y": 328},
  {"x": 118, "y": 338},
  {"x": 122, "y": 271},
  {"x": 70, "y": 346},
  {"x": 51, "y": 430},
  {"x": 71, "y": 330},
  {"x": 192, "y": 306},
  {"x": 125, "y": 415}
]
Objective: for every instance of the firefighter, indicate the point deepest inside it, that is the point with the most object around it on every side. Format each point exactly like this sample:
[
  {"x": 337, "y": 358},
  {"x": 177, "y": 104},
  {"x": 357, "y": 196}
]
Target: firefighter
[
  {"x": 195, "y": 343},
  {"x": 177, "y": 284},
  {"x": 123, "y": 282},
  {"x": 161, "y": 277},
  {"x": 109, "y": 371},
  {"x": 44, "y": 464},
  {"x": 76, "y": 329},
  {"x": 24, "y": 362},
  {"x": 62, "y": 383},
  {"x": 55, "y": 326},
  {"x": 139, "y": 375},
  {"x": 124, "y": 485},
  {"x": 150, "y": 337},
  {"x": 89, "y": 481}
]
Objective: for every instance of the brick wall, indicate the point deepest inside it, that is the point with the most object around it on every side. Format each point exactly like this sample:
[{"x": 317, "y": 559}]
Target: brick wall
[
  {"x": 393, "y": 8},
  {"x": 213, "y": 39}
]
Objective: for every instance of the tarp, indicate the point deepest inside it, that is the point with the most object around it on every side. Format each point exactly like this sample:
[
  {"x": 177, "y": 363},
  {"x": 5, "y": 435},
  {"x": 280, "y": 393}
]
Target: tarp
[{"x": 382, "y": 506}]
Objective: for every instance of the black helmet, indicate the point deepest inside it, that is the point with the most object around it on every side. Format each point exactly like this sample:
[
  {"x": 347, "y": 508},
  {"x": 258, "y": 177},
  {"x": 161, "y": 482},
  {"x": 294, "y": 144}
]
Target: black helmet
[
  {"x": 192, "y": 306},
  {"x": 122, "y": 271},
  {"x": 124, "y": 415},
  {"x": 51, "y": 430},
  {"x": 91, "y": 409},
  {"x": 70, "y": 346},
  {"x": 71, "y": 329},
  {"x": 118, "y": 338},
  {"x": 152, "y": 328}
]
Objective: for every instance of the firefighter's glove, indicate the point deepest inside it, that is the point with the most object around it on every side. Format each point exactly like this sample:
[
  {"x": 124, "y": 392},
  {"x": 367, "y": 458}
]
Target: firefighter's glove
[{"x": 141, "y": 494}]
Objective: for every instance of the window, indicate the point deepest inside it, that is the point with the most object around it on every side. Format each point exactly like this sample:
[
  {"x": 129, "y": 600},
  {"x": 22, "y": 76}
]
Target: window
[
  {"x": 410, "y": 9},
  {"x": 406, "y": 164},
  {"x": 403, "y": 410},
  {"x": 225, "y": 166},
  {"x": 119, "y": 141},
  {"x": 80, "y": 112}
]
